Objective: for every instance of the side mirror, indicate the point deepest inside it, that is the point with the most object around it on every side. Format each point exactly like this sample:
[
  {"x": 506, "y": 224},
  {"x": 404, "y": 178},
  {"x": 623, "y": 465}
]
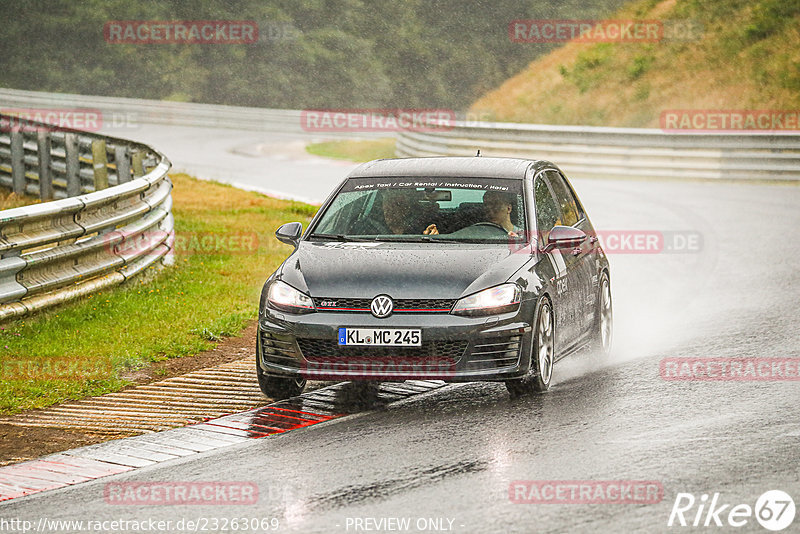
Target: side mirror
[
  {"x": 564, "y": 237},
  {"x": 289, "y": 233}
]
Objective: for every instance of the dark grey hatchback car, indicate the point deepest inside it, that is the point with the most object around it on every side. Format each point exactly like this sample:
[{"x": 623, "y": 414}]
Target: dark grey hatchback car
[{"x": 442, "y": 268}]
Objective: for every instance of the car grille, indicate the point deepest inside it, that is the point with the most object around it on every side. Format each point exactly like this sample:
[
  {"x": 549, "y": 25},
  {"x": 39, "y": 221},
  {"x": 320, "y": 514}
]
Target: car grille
[
  {"x": 400, "y": 305},
  {"x": 325, "y": 348},
  {"x": 434, "y": 358},
  {"x": 494, "y": 353},
  {"x": 281, "y": 350},
  {"x": 488, "y": 354}
]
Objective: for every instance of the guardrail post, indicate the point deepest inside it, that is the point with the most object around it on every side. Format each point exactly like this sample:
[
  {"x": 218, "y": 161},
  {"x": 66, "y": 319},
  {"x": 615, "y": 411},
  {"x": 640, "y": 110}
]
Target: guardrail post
[
  {"x": 100, "y": 164},
  {"x": 10, "y": 288},
  {"x": 17, "y": 162},
  {"x": 168, "y": 226},
  {"x": 122, "y": 159},
  {"x": 45, "y": 173},
  {"x": 73, "y": 164},
  {"x": 136, "y": 163}
]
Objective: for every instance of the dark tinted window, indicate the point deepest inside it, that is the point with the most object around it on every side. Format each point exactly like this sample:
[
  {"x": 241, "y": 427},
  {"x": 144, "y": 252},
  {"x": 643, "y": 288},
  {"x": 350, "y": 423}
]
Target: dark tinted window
[
  {"x": 452, "y": 208},
  {"x": 548, "y": 213},
  {"x": 570, "y": 213}
]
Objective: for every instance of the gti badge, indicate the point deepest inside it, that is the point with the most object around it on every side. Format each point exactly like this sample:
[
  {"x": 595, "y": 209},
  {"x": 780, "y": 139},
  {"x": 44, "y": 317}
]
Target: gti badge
[{"x": 381, "y": 306}]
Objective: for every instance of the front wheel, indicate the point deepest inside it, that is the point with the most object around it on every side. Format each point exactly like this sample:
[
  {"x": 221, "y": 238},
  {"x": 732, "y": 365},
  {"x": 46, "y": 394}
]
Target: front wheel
[
  {"x": 603, "y": 329},
  {"x": 277, "y": 387},
  {"x": 542, "y": 356}
]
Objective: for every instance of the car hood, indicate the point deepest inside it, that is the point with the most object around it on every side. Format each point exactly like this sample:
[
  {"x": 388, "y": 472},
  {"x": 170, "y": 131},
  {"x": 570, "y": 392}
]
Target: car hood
[{"x": 400, "y": 270}]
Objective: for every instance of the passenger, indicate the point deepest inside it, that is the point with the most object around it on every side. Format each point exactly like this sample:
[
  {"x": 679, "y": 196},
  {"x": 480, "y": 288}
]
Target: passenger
[{"x": 499, "y": 207}]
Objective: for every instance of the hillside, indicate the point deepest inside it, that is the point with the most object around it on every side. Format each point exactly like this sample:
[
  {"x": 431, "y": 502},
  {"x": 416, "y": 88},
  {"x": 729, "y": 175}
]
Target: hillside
[
  {"x": 319, "y": 53},
  {"x": 747, "y": 56}
]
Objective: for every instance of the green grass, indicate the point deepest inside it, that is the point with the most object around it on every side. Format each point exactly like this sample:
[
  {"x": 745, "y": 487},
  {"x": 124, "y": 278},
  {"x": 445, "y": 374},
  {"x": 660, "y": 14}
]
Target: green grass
[
  {"x": 354, "y": 150},
  {"x": 588, "y": 69},
  {"x": 176, "y": 312}
]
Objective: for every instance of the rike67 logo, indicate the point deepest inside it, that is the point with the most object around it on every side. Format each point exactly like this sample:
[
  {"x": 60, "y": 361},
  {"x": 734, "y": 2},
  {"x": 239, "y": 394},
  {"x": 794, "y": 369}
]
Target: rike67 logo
[{"x": 774, "y": 510}]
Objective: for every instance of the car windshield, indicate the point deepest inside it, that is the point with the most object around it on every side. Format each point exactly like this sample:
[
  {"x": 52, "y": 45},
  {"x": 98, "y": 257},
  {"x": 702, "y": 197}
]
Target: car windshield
[{"x": 464, "y": 210}]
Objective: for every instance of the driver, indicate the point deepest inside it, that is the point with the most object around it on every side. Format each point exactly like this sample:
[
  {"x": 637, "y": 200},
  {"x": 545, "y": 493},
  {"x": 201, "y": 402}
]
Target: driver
[
  {"x": 399, "y": 206},
  {"x": 499, "y": 207}
]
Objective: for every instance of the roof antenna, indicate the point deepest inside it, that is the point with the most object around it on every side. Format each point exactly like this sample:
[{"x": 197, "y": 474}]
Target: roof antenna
[{"x": 478, "y": 154}]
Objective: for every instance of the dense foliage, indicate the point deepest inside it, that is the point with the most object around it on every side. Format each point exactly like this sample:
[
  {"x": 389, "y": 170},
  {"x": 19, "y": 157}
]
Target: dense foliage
[{"x": 311, "y": 53}]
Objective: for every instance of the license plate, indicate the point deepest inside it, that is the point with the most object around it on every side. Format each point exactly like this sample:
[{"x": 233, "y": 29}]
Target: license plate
[{"x": 381, "y": 337}]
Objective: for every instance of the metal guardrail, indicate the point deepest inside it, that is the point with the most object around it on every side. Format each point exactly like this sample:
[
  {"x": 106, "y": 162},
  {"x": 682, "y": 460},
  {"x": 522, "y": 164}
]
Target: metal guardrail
[
  {"x": 126, "y": 113},
  {"x": 584, "y": 151},
  {"x": 580, "y": 150},
  {"x": 112, "y": 218}
]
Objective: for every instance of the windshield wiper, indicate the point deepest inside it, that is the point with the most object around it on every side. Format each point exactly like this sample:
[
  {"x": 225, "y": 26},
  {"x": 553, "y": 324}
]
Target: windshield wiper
[
  {"x": 417, "y": 239},
  {"x": 393, "y": 239},
  {"x": 339, "y": 237}
]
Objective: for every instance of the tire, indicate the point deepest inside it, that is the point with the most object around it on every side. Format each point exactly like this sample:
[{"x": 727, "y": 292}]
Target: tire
[
  {"x": 540, "y": 371},
  {"x": 603, "y": 329},
  {"x": 277, "y": 387}
]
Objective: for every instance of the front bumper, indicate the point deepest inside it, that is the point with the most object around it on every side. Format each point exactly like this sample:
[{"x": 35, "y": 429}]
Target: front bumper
[{"x": 454, "y": 348}]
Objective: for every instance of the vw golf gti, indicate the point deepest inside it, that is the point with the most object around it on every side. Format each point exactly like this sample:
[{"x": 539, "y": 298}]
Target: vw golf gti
[{"x": 446, "y": 268}]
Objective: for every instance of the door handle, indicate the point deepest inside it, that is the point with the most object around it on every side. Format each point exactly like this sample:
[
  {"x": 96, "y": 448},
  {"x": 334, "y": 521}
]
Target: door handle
[{"x": 576, "y": 251}]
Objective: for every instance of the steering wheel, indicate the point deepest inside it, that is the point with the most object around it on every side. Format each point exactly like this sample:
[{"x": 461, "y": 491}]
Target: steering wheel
[{"x": 490, "y": 225}]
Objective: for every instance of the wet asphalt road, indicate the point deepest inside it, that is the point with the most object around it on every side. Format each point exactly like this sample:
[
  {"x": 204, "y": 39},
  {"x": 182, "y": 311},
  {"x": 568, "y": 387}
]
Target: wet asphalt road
[
  {"x": 272, "y": 163},
  {"x": 452, "y": 454}
]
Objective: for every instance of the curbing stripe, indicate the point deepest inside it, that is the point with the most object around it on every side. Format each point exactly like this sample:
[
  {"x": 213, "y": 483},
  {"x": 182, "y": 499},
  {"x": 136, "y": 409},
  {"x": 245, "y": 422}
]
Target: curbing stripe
[{"x": 114, "y": 457}]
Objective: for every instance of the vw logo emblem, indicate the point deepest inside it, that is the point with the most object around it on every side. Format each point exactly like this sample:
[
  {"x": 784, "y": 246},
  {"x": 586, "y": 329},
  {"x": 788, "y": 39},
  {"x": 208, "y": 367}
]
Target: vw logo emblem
[{"x": 381, "y": 306}]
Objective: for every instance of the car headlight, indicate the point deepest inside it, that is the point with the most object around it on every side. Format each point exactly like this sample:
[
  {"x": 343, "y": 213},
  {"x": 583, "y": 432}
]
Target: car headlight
[
  {"x": 498, "y": 299},
  {"x": 284, "y": 297}
]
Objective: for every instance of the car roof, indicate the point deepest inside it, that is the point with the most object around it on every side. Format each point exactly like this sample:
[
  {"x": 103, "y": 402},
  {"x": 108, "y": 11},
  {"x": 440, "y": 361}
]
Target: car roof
[{"x": 477, "y": 167}]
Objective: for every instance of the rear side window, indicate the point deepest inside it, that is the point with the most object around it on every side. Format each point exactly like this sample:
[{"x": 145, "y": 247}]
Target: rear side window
[
  {"x": 548, "y": 213},
  {"x": 570, "y": 213}
]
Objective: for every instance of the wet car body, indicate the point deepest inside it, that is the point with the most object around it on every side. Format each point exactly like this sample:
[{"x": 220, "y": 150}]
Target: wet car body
[{"x": 557, "y": 269}]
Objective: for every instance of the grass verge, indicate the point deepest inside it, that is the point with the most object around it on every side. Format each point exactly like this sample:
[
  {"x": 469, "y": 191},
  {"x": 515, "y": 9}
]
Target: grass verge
[
  {"x": 225, "y": 249},
  {"x": 354, "y": 150},
  {"x": 9, "y": 199}
]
